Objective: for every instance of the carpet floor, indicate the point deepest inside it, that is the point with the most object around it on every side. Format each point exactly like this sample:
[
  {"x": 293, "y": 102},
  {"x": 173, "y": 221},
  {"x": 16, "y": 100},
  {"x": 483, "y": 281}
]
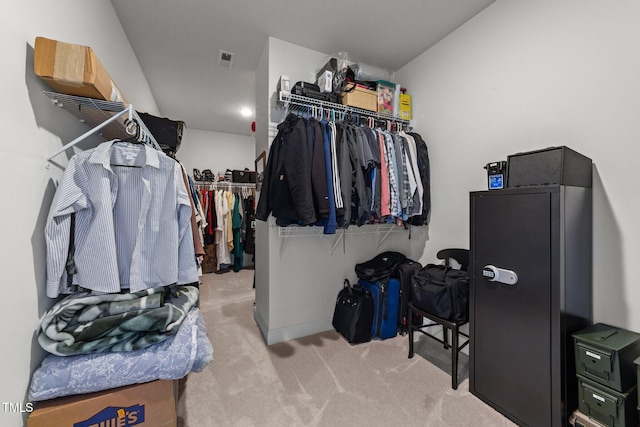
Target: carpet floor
[{"x": 320, "y": 380}]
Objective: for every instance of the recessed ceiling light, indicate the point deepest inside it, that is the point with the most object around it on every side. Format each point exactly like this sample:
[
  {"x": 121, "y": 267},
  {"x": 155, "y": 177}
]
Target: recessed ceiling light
[{"x": 246, "y": 112}]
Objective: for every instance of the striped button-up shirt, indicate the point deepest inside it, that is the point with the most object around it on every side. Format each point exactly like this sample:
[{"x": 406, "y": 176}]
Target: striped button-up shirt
[{"x": 133, "y": 215}]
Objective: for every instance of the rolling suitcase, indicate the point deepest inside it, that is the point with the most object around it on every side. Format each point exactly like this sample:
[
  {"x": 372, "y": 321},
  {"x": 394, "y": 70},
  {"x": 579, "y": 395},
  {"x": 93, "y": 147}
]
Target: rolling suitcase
[
  {"x": 386, "y": 296},
  {"x": 404, "y": 273}
]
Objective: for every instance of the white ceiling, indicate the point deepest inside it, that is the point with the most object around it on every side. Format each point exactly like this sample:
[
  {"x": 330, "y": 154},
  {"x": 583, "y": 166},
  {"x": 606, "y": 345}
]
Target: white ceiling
[{"x": 177, "y": 43}]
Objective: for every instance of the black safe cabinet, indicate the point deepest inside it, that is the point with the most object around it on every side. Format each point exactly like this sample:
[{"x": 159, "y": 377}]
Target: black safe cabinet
[{"x": 530, "y": 273}]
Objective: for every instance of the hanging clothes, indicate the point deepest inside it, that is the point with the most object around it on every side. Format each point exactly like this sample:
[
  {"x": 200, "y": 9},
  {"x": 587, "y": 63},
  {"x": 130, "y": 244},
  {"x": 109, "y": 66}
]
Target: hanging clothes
[
  {"x": 329, "y": 223},
  {"x": 320, "y": 191},
  {"x": 121, "y": 193},
  {"x": 238, "y": 258},
  {"x": 229, "y": 219},
  {"x": 363, "y": 176},
  {"x": 287, "y": 190},
  {"x": 418, "y": 193},
  {"x": 231, "y": 213},
  {"x": 385, "y": 199},
  {"x": 424, "y": 169},
  {"x": 344, "y": 168},
  {"x": 222, "y": 249},
  {"x": 198, "y": 247},
  {"x": 249, "y": 242}
]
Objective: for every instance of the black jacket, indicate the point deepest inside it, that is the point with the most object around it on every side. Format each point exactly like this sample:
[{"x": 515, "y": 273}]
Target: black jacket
[
  {"x": 319, "y": 171},
  {"x": 287, "y": 189},
  {"x": 423, "y": 165}
]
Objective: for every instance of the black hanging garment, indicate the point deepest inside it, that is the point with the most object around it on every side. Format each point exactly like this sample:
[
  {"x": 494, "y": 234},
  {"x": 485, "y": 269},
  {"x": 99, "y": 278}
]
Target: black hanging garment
[
  {"x": 423, "y": 166},
  {"x": 250, "y": 226},
  {"x": 287, "y": 189},
  {"x": 167, "y": 132}
]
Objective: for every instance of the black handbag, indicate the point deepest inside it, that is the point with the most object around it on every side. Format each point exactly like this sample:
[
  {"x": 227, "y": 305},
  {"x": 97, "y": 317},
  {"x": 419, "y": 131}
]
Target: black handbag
[
  {"x": 379, "y": 267},
  {"x": 442, "y": 291},
  {"x": 353, "y": 314},
  {"x": 243, "y": 176}
]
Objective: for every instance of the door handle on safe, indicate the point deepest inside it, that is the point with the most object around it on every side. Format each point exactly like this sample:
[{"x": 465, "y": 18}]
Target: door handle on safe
[{"x": 496, "y": 274}]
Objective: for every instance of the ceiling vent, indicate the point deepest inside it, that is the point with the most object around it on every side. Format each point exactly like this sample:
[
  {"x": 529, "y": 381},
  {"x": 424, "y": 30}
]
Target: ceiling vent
[{"x": 225, "y": 59}]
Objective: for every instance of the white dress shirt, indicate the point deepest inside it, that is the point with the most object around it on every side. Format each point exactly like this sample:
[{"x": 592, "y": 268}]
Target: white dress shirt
[{"x": 133, "y": 219}]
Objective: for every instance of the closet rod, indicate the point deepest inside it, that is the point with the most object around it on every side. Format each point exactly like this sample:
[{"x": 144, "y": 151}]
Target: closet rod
[
  {"x": 224, "y": 184},
  {"x": 88, "y": 133}
]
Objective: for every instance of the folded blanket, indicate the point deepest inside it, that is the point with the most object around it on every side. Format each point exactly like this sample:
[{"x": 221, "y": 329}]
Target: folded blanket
[
  {"x": 84, "y": 324},
  {"x": 187, "y": 351}
]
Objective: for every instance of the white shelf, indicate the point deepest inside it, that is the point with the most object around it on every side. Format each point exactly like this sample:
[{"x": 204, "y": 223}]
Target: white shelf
[
  {"x": 353, "y": 230},
  {"x": 288, "y": 98},
  {"x": 381, "y": 230},
  {"x": 103, "y": 117}
]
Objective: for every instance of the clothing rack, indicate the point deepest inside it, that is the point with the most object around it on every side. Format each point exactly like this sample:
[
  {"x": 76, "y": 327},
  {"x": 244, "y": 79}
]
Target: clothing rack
[
  {"x": 222, "y": 185},
  {"x": 245, "y": 189},
  {"x": 318, "y": 108},
  {"x": 103, "y": 116}
]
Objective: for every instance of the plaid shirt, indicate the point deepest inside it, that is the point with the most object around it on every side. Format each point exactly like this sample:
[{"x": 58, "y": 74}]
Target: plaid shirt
[{"x": 394, "y": 178}]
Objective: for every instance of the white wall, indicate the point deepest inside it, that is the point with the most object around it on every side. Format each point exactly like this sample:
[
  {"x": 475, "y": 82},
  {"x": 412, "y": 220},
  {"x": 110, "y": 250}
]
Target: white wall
[
  {"x": 525, "y": 75},
  {"x": 296, "y": 291},
  {"x": 262, "y": 255},
  {"x": 216, "y": 151},
  {"x": 31, "y": 129}
]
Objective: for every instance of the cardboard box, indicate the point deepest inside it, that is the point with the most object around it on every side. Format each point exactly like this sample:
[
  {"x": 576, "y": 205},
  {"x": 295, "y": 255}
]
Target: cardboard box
[
  {"x": 405, "y": 106},
  {"x": 74, "y": 69},
  {"x": 150, "y": 404},
  {"x": 361, "y": 98},
  {"x": 386, "y": 92}
]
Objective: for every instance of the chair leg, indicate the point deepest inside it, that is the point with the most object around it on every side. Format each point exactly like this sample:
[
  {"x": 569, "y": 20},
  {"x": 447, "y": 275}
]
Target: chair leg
[
  {"x": 454, "y": 358},
  {"x": 410, "y": 333},
  {"x": 445, "y": 337}
]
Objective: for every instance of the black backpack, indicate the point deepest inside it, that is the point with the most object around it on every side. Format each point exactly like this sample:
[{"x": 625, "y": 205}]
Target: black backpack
[{"x": 380, "y": 267}]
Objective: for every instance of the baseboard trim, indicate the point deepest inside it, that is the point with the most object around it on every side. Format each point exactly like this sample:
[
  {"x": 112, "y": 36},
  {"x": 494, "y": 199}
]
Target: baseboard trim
[
  {"x": 262, "y": 325},
  {"x": 292, "y": 332}
]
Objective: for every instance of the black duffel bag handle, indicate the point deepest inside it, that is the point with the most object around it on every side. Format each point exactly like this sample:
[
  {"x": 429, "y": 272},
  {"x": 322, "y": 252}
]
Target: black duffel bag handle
[{"x": 347, "y": 286}]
